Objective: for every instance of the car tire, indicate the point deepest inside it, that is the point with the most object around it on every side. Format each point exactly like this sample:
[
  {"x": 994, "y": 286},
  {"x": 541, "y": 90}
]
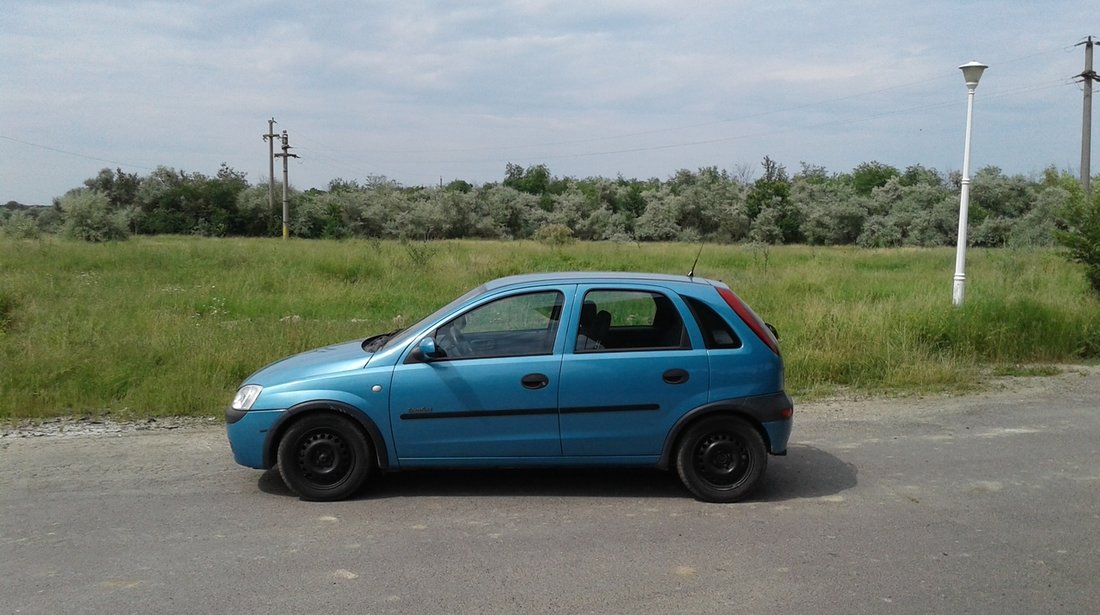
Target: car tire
[
  {"x": 721, "y": 459},
  {"x": 324, "y": 457}
]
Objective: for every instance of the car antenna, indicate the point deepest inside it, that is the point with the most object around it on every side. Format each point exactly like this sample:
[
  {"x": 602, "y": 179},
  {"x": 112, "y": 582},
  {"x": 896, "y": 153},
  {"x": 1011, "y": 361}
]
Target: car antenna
[{"x": 691, "y": 274}]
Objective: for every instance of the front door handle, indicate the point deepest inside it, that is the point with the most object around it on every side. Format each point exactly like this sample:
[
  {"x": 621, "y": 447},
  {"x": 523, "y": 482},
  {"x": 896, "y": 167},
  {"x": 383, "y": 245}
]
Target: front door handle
[
  {"x": 534, "y": 381},
  {"x": 675, "y": 376}
]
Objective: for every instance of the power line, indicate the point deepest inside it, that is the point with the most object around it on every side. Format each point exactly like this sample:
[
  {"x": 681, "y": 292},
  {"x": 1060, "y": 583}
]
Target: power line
[
  {"x": 742, "y": 118},
  {"x": 76, "y": 154},
  {"x": 840, "y": 122},
  {"x": 342, "y": 162},
  {"x": 339, "y": 157}
]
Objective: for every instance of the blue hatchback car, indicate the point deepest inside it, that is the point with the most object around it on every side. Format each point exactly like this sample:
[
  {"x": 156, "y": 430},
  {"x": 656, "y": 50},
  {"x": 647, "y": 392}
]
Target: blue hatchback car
[{"x": 555, "y": 369}]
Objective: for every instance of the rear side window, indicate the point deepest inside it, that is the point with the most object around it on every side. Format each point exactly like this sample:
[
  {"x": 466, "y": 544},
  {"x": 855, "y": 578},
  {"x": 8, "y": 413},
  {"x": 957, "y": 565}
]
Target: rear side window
[
  {"x": 618, "y": 320},
  {"x": 717, "y": 333}
]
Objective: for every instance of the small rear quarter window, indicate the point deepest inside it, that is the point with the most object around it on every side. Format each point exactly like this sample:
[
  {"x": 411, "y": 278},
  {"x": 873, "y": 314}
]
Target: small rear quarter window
[{"x": 717, "y": 333}]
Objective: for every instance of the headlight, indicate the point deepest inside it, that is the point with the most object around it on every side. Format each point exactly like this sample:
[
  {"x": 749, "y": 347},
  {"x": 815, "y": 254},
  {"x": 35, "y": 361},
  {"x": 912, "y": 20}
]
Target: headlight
[{"x": 246, "y": 396}]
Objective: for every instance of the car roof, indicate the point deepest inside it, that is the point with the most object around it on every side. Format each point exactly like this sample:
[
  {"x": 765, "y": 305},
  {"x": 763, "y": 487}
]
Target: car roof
[{"x": 592, "y": 276}]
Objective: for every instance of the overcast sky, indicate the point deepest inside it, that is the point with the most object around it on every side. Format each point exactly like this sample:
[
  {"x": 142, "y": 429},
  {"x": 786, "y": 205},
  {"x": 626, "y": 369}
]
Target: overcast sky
[{"x": 420, "y": 91}]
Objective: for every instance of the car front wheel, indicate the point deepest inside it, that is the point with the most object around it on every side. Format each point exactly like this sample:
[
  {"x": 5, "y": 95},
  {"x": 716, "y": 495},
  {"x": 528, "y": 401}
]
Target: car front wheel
[
  {"x": 721, "y": 459},
  {"x": 324, "y": 457}
]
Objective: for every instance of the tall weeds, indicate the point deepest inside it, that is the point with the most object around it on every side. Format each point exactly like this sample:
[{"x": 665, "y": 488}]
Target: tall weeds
[{"x": 171, "y": 325}]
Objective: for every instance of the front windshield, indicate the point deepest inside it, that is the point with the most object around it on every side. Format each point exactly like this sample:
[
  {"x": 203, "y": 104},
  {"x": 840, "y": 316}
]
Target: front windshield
[{"x": 406, "y": 335}]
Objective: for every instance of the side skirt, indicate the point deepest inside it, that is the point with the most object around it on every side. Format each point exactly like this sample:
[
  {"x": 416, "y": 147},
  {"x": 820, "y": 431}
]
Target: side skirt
[{"x": 526, "y": 462}]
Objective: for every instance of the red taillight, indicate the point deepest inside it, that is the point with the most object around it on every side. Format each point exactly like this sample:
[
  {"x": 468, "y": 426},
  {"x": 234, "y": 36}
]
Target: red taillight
[{"x": 750, "y": 318}]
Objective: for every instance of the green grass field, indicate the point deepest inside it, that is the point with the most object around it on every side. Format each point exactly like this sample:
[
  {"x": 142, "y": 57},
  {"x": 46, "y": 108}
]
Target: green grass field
[{"x": 171, "y": 325}]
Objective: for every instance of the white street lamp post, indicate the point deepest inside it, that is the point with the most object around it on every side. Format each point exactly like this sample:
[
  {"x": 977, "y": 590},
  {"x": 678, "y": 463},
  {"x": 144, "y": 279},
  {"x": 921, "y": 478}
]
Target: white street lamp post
[{"x": 972, "y": 72}]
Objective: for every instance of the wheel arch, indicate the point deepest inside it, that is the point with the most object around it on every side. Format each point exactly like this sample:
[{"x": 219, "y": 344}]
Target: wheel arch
[
  {"x": 752, "y": 410},
  {"x": 370, "y": 429}
]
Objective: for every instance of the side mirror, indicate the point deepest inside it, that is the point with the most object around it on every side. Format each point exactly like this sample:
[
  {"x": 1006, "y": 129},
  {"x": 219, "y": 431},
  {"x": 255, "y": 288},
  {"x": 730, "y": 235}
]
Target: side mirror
[{"x": 428, "y": 349}]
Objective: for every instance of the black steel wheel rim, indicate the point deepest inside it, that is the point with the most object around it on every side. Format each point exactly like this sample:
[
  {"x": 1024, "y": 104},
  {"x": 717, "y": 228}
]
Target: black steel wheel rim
[
  {"x": 722, "y": 460},
  {"x": 324, "y": 458}
]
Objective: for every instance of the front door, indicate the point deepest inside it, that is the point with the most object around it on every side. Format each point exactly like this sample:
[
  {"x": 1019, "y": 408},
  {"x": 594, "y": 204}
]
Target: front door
[{"x": 493, "y": 392}]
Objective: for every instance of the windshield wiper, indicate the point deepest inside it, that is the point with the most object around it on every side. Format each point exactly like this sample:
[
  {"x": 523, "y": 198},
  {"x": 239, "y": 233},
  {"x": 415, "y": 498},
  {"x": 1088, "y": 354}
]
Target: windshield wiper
[{"x": 373, "y": 343}]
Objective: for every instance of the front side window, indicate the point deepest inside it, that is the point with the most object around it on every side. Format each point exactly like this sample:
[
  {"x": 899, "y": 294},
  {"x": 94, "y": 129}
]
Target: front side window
[
  {"x": 508, "y": 327},
  {"x": 629, "y": 320}
]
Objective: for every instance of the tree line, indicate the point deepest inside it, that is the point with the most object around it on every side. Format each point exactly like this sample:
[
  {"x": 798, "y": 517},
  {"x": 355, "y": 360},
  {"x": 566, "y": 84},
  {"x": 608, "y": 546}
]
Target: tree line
[{"x": 873, "y": 205}]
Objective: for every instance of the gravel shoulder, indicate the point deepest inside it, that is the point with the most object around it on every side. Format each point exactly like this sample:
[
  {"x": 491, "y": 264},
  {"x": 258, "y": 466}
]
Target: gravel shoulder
[{"x": 1073, "y": 378}]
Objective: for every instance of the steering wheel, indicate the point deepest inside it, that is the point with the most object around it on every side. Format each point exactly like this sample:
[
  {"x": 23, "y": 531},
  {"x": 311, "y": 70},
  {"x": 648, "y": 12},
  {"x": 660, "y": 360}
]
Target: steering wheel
[{"x": 459, "y": 346}]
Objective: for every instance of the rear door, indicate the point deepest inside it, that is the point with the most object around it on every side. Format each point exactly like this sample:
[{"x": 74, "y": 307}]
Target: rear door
[{"x": 637, "y": 364}]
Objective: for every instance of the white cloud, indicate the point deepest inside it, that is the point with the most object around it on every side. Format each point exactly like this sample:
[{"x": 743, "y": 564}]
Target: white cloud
[{"x": 417, "y": 89}]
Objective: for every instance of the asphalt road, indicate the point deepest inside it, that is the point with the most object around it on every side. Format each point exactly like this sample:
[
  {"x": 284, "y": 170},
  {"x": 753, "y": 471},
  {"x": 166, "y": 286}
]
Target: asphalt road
[{"x": 980, "y": 504}]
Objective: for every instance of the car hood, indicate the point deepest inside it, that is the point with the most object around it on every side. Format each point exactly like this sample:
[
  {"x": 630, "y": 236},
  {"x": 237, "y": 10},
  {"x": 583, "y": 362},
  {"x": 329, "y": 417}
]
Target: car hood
[{"x": 333, "y": 359}]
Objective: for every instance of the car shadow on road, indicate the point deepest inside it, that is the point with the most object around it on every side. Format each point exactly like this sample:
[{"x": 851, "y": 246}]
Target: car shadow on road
[{"x": 806, "y": 472}]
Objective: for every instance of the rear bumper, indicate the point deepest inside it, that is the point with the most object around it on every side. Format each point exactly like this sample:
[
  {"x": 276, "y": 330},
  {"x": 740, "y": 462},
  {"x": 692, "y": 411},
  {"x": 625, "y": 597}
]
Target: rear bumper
[{"x": 779, "y": 433}]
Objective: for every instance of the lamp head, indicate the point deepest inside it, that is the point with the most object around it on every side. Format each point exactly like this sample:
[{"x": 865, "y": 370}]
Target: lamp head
[{"x": 972, "y": 72}]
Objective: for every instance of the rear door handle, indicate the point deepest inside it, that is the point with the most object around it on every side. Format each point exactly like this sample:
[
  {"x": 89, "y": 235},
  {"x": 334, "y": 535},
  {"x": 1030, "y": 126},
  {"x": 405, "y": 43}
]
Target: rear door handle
[
  {"x": 675, "y": 376},
  {"x": 534, "y": 381}
]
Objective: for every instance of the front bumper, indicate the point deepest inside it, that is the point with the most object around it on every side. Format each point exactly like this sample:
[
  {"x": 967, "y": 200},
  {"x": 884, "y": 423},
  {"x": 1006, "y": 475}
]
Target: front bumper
[{"x": 247, "y": 432}]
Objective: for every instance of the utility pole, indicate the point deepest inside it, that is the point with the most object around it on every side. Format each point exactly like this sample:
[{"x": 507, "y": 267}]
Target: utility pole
[
  {"x": 270, "y": 138},
  {"x": 1086, "y": 119},
  {"x": 286, "y": 204}
]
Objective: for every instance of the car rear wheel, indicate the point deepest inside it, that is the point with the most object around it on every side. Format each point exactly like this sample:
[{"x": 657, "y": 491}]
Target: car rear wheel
[
  {"x": 721, "y": 459},
  {"x": 324, "y": 457}
]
